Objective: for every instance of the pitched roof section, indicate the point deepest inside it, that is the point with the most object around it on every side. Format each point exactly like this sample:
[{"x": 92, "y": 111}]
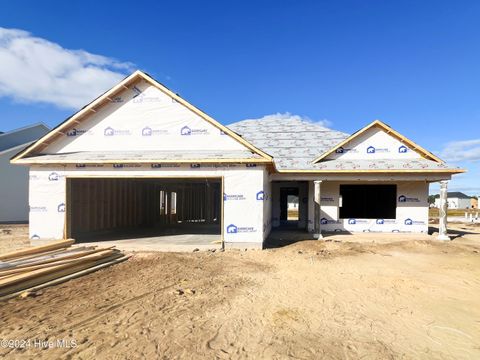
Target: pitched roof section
[
  {"x": 379, "y": 124},
  {"x": 292, "y": 142},
  {"x": 107, "y": 98}
]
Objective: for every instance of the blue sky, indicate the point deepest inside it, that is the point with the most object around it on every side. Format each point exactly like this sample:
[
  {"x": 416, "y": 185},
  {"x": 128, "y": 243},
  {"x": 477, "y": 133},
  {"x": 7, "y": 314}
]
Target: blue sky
[{"x": 412, "y": 64}]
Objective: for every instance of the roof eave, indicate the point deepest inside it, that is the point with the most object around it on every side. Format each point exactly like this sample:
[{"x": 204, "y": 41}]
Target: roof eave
[
  {"x": 375, "y": 171},
  {"x": 28, "y": 161}
]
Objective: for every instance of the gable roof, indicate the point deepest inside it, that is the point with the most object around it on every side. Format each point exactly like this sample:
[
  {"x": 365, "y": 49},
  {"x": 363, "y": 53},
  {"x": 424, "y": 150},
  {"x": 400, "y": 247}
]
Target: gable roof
[
  {"x": 379, "y": 124},
  {"x": 22, "y": 136},
  {"x": 294, "y": 143},
  {"x": 105, "y": 98}
]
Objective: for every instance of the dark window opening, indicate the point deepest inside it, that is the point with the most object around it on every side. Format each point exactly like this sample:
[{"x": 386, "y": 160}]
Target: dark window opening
[{"x": 368, "y": 201}]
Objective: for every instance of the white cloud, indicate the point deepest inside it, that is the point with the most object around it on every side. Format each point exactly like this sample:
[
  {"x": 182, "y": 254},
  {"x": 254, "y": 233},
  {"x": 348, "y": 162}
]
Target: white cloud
[
  {"x": 465, "y": 150},
  {"x": 288, "y": 116},
  {"x": 33, "y": 69}
]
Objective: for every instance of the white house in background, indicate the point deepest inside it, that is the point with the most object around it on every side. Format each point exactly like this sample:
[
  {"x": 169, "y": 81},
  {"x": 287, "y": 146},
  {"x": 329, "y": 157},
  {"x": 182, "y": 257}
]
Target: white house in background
[
  {"x": 456, "y": 200},
  {"x": 142, "y": 160},
  {"x": 14, "y": 179}
]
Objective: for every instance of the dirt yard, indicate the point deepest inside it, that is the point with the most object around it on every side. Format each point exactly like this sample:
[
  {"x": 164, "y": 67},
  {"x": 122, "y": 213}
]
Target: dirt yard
[{"x": 413, "y": 299}]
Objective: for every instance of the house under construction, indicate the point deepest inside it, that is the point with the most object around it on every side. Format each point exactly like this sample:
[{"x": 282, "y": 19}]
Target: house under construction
[{"x": 143, "y": 161}]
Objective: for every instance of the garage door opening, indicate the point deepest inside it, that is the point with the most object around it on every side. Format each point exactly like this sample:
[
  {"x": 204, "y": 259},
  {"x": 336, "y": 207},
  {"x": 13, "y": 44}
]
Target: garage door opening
[{"x": 100, "y": 209}]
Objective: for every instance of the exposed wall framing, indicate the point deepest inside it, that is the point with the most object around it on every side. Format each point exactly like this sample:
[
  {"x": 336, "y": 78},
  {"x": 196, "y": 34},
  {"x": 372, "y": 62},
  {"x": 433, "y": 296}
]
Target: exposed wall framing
[{"x": 105, "y": 204}]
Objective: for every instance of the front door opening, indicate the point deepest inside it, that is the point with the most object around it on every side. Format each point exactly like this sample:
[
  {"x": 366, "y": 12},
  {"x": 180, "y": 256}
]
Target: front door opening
[
  {"x": 292, "y": 207},
  {"x": 289, "y": 206}
]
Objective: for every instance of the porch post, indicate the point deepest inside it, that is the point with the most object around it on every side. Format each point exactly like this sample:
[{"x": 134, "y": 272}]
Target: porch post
[
  {"x": 317, "y": 233},
  {"x": 442, "y": 216}
]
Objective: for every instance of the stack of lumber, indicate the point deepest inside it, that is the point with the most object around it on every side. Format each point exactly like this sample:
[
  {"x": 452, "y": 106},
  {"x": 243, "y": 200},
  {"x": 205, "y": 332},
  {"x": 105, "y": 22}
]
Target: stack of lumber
[{"x": 41, "y": 266}]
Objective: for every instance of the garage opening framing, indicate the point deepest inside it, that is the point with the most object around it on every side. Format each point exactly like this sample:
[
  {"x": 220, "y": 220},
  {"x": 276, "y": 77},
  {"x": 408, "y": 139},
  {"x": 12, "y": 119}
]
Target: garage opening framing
[{"x": 99, "y": 204}]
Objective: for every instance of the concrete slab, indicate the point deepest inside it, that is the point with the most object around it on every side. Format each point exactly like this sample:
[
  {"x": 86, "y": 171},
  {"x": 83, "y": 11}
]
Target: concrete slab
[{"x": 166, "y": 243}]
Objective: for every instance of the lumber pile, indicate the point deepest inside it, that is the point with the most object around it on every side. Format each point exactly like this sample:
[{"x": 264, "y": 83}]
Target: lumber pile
[{"x": 41, "y": 266}]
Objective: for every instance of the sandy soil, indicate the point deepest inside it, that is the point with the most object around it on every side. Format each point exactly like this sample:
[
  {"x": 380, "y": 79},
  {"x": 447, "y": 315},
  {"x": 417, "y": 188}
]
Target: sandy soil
[
  {"x": 13, "y": 237},
  {"x": 405, "y": 299}
]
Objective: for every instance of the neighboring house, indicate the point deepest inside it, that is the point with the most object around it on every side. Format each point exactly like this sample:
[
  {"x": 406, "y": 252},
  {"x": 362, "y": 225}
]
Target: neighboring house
[
  {"x": 456, "y": 200},
  {"x": 474, "y": 203},
  {"x": 128, "y": 158},
  {"x": 14, "y": 179}
]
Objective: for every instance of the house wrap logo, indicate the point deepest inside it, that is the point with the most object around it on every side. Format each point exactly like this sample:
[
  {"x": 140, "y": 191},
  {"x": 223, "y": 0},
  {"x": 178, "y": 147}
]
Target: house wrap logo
[
  {"x": 403, "y": 199},
  {"x": 53, "y": 176},
  {"x": 140, "y": 97},
  {"x": 342, "y": 150},
  {"x": 148, "y": 131},
  {"x": 385, "y": 221},
  {"x": 81, "y": 166},
  {"x": 77, "y": 132},
  {"x": 357, "y": 221},
  {"x": 374, "y": 150},
  {"x": 413, "y": 222},
  {"x": 109, "y": 131},
  {"x": 121, "y": 166},
  {"x": 233, "y": 229},
  {"x": 61, "y": 208},
  {"x": 187, "y": 131},
  {"x": 325, "y": 221},
  {"x": 402, "y": 149},
  {"x": 261, "y": 195},
  {"x": 158, "y": 166},
  {"x": 233, "y": 197},
  {"x": 250, "y": 165},
  {"x": 326, "y": 199}
]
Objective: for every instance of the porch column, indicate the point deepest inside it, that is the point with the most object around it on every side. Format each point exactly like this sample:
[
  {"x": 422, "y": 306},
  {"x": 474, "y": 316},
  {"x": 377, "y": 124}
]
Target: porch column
[
  {"x": 317, "y": 233},
  {"x": 442, "y": 216}
]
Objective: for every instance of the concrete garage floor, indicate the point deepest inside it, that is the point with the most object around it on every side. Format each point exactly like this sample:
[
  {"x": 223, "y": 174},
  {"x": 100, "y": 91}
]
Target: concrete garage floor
[
  {"x": 175, "y": 243},
  {"x": 176, "y": 238}
]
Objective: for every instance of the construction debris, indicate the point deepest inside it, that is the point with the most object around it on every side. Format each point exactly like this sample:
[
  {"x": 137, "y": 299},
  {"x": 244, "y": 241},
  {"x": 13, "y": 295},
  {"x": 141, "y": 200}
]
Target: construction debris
[{"x": 24, "y": 272}]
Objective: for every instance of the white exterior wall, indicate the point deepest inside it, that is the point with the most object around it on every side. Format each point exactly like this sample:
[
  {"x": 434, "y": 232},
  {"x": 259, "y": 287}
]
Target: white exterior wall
[
  {"x": 244, "y": 205},
  {"x": 374, "y": 144},
  {"x": 411, "y": 214},
  {"x": 13, "y": 189},
  {"x": 144, "y": 118}
]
